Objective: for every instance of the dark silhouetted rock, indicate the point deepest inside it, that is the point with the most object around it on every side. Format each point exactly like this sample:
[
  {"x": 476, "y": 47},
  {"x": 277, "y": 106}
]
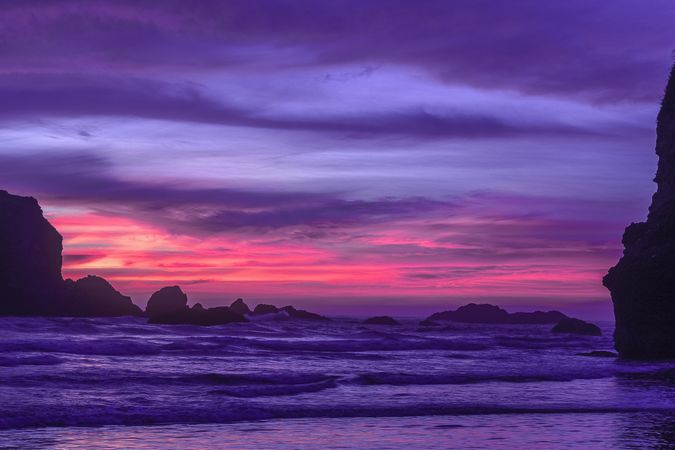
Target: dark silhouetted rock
[
  {"x": 642, "y": 284},
  {"x": 93, "y": 296},
  {"x": 265, "y": 309},
  {"x": 302, "y": 314},
  {"x": 381, "y": 320},
  {"x": 577, "y": 326},
  {"x": 599, "y": 354},
  {"x": 30, "y": 270},
  {"x": 472, "y": 313},
  {"x": 30, "y": 259},
  {"x": 240, "y": 307},
  {"x": 537, "y": 317},
  {"x": 218, "y": 315},
  {"x": 485, "y": 313},
  {"x": 168, "y": 305}
]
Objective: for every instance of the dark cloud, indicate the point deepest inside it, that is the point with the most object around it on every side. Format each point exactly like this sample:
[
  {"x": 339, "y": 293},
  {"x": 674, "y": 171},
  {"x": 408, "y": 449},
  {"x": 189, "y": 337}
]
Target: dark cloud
[
  {"x": 87, "y": 180},
  {"x": 582, "y": 48}
]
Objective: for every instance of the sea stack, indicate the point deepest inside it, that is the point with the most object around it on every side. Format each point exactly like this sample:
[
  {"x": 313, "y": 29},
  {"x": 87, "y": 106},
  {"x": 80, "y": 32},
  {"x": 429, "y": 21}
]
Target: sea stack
[
  {"x": 30, "y": 259},
  {"x": 642, "y": 284}
]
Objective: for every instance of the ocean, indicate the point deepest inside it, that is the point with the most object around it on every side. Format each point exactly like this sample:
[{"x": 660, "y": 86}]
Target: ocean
[{"x": 122, "y": 383}]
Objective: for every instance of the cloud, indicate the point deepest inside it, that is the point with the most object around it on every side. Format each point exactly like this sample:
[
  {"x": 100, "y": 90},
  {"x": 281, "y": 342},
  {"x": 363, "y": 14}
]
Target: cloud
[
  {"x": 573, "y": 48},
  {"x": 32, "y": 96},
  {"x": 86, "y": 180}
]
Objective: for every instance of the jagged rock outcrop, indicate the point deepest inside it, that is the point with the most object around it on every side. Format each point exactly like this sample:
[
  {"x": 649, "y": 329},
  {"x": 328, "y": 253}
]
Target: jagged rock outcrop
[
  {"x": 577, "y": 326},
  {"x": 169, "y": 306},
  {"x": 30, "y": 270},
  {"x": 30, "y": 259},
  {"x": 486, "y": 313},
  {"x": 240, "y": 307},
  {"x": 642, "y": 284},
  {"x": 381, "y": 320},
  {"x": 265, "y": 309},
  {"x": 93, "y": 296},
  {"x": 302, "y": 314}
]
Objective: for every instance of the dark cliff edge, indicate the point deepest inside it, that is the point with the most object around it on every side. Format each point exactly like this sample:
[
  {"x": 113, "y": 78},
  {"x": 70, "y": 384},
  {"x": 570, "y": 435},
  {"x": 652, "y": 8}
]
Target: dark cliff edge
[
  {"x": 30, "y": 270},
  {"x": 642, "y": 284}
]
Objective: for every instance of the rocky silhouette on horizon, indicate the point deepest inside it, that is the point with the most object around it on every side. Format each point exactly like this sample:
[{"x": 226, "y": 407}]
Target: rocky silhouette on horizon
[
  {"x": 169, "y": 306},
  {"x": 240, "y": 307},
  {"x": 576, "y": 326},
  {"x": 642, "y": 283},
  {"x": 381, "y": 320},
  {"x": 31, "y": 283},
  {"x": 108, "y": 301},
  {"x": 486, "y": 313}
]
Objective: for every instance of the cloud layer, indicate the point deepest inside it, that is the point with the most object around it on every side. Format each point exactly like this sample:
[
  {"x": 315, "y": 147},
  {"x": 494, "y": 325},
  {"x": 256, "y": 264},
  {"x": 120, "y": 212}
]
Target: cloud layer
[{"x": 325, "y": 151}]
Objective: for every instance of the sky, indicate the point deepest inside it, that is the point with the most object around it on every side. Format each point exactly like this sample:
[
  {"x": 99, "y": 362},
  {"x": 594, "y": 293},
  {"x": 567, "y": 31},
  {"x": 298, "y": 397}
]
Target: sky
[{"x": 344, "y": 156}]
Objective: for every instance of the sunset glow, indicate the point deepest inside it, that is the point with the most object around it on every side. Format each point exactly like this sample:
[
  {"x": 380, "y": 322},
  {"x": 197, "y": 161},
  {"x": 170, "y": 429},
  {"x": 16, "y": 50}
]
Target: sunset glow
[{"x": 266, "y": 154}]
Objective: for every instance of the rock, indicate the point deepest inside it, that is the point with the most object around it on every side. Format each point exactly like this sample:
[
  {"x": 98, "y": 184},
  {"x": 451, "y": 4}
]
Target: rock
[
  {"x": 642, "y": 283},
  {"x": 30, "y": 270},
  {"x": 599, "y": 354},
  {"x": 302, "y": 314},
  {"x": 168, "y": 305},
  {"x": 537, "y": 317},
  {"x": 265, "y": 309},
  {"x": 485, "y": 313},
  {"x": 381, "y": 320},
  {"x": 30, "y": 259},
  {"x": 577, "y": 326},
  {"x": 240, "y": 307},
  {"x": 93, "y": 296},
  {"x": 219, "y": 315},
  {"x": 473, "y": 313}
]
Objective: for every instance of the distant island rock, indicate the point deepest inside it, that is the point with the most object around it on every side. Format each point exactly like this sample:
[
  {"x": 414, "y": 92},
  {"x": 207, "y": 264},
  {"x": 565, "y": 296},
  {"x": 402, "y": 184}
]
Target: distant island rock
[
  {"x": 287, "y": 311},
  {"x": 262, "y": 309},
  {"x": 642, "y": 284},
  {"x": 576, "y": 326},
  {"x": 31, "y": 283},
  {"x": 486, "y": 313},
  {"x": 302, "y": 314},
  {"x": 169, "y": 306},
  {"x": 381, "y": 320}
]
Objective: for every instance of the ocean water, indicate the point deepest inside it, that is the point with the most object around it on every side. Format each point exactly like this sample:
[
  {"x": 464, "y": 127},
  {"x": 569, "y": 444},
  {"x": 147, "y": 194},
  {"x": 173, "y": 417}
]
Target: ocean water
[{"x": 121, "y": 383}]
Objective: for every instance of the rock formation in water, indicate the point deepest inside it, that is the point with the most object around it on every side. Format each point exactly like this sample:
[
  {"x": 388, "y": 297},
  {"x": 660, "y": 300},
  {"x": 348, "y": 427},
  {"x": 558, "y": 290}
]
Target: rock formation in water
[
  {"x": 576, "y": 326},
  {"x": 289, "y": 311},
  {"x": 302, "y": 314},
  {"x": 265, "y": 309},
  {"x": 485, "y": 313},
  {"x": 381, "y": 320},
  {"x": 94, "y": 296},
  {"x": 239, "y": 306},
  {"x": 30, "y": 259},
  {"x": 642, "y": 284},
  {"x": 169, "y": 306},
  {"x": 30, "y": 269}
]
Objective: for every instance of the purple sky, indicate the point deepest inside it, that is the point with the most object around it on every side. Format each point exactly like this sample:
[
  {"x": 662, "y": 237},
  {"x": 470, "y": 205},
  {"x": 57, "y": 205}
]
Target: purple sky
[{"x": 346, "y": 155}]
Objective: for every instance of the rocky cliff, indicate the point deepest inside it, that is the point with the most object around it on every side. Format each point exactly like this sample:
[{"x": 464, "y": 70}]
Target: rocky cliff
[
  {"x": 642, "y": 284},
  {"x": 30, "y": 270},
  {"x": 30, "y": 258}
]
